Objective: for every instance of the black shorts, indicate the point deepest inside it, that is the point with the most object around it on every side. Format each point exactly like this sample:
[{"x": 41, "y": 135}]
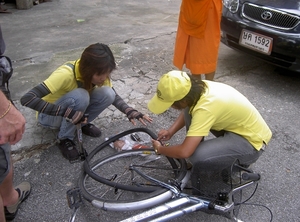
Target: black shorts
[{"x": 4, "y": 161}]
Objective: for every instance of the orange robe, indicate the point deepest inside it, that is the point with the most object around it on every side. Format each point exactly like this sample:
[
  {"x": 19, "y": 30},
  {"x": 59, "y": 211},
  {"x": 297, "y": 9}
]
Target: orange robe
[{"x": 198, "y": 35}]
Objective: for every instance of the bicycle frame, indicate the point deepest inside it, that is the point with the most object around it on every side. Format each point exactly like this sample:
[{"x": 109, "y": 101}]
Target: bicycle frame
[
  {"x": 182, "y": 199},
  {"x": 170, "y": 204}
]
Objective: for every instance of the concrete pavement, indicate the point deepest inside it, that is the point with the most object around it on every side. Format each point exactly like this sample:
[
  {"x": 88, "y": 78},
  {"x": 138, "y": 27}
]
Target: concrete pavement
[
  {"x": 45, "y": 36},
  {"x": 141, "y": 35}
]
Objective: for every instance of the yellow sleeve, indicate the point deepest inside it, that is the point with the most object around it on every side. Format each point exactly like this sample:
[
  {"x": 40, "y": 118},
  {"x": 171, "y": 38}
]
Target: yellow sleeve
[{"x": 61, "y": 79}]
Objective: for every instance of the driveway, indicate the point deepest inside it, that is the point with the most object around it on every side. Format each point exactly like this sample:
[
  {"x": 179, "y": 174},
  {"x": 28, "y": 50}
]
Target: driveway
[{"x": 141, "y": 35}]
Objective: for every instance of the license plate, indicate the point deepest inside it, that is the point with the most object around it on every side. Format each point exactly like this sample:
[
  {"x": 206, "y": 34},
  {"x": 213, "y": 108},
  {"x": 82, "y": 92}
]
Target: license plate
[{"x": 256, "y": 42}]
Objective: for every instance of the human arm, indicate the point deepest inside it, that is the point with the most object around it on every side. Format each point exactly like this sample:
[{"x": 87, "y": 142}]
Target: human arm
[
  {"x": 131, "y": 113},
  {"x": 12, "y": 122},
  {"x": 184, "y": 150},
  {"x": 33, "y": 99}
]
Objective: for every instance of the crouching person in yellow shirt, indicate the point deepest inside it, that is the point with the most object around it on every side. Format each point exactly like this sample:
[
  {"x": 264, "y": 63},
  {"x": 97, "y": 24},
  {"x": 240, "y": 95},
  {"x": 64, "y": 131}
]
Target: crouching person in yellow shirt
[{"x": 207, "y": 106}]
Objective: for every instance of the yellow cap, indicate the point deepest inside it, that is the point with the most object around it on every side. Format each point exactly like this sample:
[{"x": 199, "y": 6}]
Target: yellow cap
[{"x": 172, "y": 86}]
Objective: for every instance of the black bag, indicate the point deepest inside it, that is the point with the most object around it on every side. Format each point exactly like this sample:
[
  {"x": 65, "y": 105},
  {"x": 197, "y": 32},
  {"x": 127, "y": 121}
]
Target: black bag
[{"x": 6, "y": 72}]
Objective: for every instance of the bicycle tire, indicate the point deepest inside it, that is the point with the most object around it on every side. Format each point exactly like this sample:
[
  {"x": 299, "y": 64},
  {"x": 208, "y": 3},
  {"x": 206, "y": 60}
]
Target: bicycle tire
[
  {"x": 97, "y": 177},
  {"x": 114, "y": 138},
  {"x": 125, "y": 193}
]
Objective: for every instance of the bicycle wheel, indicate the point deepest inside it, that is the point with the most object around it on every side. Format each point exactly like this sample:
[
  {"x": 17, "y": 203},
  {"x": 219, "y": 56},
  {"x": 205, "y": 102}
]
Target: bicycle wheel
[{"x": 121, "y": 188}]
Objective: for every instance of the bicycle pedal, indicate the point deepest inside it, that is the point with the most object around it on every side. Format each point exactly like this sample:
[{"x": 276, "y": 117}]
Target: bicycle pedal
[
  {"x": 74, "y": 198},
  {"x": 82, "y": 156}
]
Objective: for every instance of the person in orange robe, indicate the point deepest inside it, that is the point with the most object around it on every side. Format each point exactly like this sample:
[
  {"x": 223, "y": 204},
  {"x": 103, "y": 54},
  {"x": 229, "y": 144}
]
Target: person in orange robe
[{"x": 198, "y": 37}]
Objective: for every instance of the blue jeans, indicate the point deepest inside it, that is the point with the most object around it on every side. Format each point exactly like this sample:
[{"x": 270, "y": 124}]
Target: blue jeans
[{"x": 80, "y": 100}]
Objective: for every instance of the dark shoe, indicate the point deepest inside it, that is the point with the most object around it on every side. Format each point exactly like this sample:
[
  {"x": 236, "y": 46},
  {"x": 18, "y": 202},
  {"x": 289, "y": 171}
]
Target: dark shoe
[
  {"x": 24, "y": 190},
  {"x": 91, "y": 130},
  {"x": 68, "y": 149}
]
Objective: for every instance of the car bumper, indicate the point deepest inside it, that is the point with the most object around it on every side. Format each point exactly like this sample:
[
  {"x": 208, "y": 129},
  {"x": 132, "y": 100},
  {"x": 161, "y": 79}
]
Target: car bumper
[{"x": 286, "y": 46}]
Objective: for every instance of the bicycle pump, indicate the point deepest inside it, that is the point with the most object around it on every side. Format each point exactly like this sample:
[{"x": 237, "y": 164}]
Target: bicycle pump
[
  {"x": 74, "y": 197},
  {"x": 82, "y": 152}
]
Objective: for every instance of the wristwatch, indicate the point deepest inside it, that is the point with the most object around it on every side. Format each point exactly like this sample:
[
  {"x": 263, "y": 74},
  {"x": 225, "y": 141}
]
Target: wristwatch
[{"x": 156, "y": 151}]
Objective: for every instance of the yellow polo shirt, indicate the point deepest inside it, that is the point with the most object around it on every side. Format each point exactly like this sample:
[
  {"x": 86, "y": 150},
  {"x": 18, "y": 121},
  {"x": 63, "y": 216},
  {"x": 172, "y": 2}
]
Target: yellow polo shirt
[
  {"x": 224, "y": 108},
  {"x": 62, "y": 81}
]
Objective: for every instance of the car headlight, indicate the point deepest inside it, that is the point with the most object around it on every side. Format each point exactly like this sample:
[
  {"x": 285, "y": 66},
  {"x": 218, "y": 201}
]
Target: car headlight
[{"x": 232, "y": 5}]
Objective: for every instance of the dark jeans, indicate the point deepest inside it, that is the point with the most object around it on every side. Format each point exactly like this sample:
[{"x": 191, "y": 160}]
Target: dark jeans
[
  {"x": 213, "y": 159},
  {"x": 4, "y": 161}
]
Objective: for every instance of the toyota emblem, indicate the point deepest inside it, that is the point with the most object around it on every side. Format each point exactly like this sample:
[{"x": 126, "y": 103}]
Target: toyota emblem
[{"x": 266, "y": 15}]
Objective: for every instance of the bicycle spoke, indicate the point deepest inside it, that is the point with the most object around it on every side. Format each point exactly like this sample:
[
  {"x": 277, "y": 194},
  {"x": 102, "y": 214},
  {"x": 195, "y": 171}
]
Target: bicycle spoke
[{"x": 117, "y": 169}]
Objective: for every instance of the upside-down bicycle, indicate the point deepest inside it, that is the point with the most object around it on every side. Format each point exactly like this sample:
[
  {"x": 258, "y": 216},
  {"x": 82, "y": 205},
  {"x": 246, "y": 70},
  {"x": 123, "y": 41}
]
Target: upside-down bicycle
[{"x": 139, "y": 179}]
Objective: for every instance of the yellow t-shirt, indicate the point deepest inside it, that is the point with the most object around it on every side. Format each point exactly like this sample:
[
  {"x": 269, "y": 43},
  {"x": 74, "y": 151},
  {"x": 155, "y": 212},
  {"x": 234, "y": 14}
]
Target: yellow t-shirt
[
  {"x": 62, "y": 81},
  {"x": 222, "y": 107}
]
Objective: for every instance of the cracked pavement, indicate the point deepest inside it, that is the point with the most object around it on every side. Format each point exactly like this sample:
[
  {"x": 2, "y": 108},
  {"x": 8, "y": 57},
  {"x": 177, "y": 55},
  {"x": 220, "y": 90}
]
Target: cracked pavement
[{"x": 141, "y": 34}]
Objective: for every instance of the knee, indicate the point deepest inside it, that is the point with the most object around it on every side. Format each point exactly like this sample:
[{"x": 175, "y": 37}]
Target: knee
[
  {"x": 200, "y": 157},
  {"x": 81, "y": 98},
  {"x": 110, "y": 94},
  {"x": 105, "y": 94}
]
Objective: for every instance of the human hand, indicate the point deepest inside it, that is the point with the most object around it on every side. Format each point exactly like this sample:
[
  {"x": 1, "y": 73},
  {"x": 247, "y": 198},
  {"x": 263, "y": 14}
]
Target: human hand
[
  {"x": 164, "y": 135},
  {"x": 156, "y": 144},
  {"x": 118, "y": 144},
  {"x": 12, "y": 126},
  {"x": 134, "y": 114}
]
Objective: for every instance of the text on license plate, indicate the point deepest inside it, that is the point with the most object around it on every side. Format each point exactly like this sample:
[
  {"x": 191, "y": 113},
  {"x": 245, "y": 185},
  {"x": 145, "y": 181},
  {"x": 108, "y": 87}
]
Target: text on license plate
[{"x": 256, "y": 42}]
